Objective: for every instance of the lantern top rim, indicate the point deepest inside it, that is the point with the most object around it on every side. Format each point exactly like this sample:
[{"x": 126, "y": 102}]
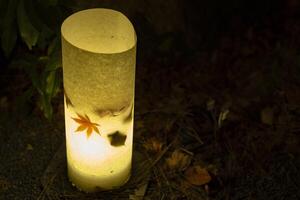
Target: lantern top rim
[{"x": 100, "y": 31}]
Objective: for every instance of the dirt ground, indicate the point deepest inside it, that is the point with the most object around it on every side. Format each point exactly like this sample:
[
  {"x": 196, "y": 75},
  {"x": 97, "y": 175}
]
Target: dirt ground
[{"x": 216, "y": 124}]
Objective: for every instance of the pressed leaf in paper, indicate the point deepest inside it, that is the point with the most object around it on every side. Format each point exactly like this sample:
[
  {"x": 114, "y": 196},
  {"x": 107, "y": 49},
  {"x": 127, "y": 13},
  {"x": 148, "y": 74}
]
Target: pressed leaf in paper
[
  {"x": 68, "y": 100},
  {"x": 86, "y": 124},
  {"x": 117, "y": 139},
  {"x": 111, "y": 112},
  {"x": 128, "y": 118}
]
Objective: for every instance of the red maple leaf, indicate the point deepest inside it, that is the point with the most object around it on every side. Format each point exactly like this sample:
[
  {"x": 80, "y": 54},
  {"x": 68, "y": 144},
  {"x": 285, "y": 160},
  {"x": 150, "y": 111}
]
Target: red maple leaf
[{"x": 86, "y": 124}]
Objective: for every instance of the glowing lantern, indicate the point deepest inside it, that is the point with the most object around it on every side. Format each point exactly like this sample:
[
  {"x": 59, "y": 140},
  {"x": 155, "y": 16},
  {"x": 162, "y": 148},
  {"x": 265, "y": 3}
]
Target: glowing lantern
[{"x": 99, "y": 49}]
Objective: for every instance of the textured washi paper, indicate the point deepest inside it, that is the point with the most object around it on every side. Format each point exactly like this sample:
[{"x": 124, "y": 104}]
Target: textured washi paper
[{"x": 99, "y": 54}]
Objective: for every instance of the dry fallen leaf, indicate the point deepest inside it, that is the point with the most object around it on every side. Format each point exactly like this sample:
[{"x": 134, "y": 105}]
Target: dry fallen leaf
[
  {"x": 179, "y": 160},
  {"x": 267, "y": 116},
  {"x": 4, "y": 184},
  {"x": 210, "y": 104},
  {"x": 4, "y": 102},
  {"x": 197, "y": 175},
  {"x": 222, "y": 117},
  {"x": 153, "y": 145},
  {"x": 85, "y": 123},
  {"x": 139, "y": 193}
]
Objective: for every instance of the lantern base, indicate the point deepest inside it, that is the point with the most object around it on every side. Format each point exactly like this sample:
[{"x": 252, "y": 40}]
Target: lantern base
[{"x": 92, "y": 183}]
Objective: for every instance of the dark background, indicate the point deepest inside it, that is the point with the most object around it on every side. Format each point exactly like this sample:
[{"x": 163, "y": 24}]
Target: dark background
[{"x": 217, "y": 99}]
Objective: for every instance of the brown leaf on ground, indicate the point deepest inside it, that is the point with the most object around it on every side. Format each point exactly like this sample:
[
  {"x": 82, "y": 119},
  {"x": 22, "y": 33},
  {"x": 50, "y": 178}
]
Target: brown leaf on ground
[
  {"x": 197, "y": 175},
  {"x": 4, "y": 184},
  {"x": 153, "y": 145},
  {"x": 178, "y": 160},
  {"x": 267, "y": 116},
  {"x": 4, "y": 102}
]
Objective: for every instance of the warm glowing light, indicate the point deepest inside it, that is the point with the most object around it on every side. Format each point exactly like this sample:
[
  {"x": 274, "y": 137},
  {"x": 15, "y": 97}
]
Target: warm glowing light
[{"x": 99, "y": 48}]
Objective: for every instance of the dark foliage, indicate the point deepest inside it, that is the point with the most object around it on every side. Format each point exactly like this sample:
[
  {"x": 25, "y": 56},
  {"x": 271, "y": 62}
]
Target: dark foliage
[{"x": 217, "y": 94}]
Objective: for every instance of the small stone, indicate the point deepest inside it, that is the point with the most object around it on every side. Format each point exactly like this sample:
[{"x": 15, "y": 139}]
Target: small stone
[
  {"x": 29, "y": 147},
  {"x": 267, "y": 116},
  {"x": 3, "y": 102}
]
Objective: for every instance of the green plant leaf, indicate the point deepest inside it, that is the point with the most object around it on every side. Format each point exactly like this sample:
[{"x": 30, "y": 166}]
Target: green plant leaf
[
  {"x": 54, "y": 46},
  {"x": 9, "y": 34},
  {"x": 3, "y": 8},
  {"x": 48, "y": 2},
  {"x": 29, "y": 64},
  {"x": 28, "y": 32},
  {"x": 52, "y": 85},
  {"x": 8, "y": 40},
  {"x": 54, "y": 61},
  {"x": 32, "y": 13},
  {"x": 46, "y": 107},
  {"x": 34, "y": 77},
  {"x": 53, "y": 22},
  {"x": 21, "y": 102},
  {"x": 45, "y": 33},
  {"x": 44, "y": 37}
]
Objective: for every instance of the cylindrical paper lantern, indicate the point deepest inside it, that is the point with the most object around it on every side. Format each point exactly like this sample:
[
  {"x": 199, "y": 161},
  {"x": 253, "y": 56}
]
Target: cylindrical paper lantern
[{"x": 99, "y": 53}]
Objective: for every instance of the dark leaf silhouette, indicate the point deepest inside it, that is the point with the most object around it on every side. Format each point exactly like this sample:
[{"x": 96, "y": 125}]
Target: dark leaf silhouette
[
  {"x": 28, "y": 32},
  {"x": 110, "y": 112},
  {"x": 117, "y": 139},
  {"x": 9, "y": 29},
  {"x": 68, "y": 100},
  {"x": 128, "y": 118}
]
